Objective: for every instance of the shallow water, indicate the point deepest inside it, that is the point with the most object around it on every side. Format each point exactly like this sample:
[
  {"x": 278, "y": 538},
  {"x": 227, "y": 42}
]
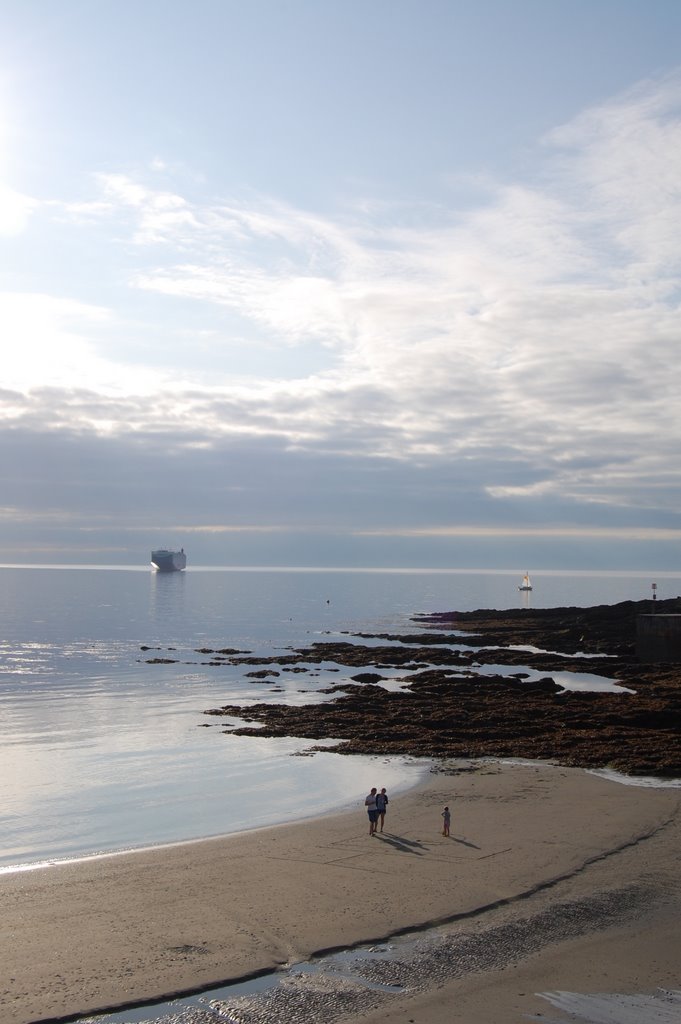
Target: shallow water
[
  {"x": 106, "y": 751},
  {"x": 349, "y": 983},
  {"x": 661, "y": 1007}
]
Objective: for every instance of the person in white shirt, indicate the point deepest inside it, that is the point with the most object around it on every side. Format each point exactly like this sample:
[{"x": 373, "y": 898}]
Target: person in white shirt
[{"x": 382, "y": 806}]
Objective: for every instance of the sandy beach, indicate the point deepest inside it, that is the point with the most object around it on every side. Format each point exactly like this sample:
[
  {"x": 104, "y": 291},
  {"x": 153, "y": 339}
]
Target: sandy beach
[{"x": 527, "y": 842}]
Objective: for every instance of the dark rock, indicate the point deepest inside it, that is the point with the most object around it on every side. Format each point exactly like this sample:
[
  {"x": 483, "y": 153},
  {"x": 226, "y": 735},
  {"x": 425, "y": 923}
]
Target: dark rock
[{"x": 446, "y": 711}]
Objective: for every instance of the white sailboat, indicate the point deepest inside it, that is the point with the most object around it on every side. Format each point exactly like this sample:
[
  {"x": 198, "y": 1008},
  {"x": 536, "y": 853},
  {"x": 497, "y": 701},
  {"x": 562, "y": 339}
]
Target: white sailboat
[{"x": 525, "y": 585}]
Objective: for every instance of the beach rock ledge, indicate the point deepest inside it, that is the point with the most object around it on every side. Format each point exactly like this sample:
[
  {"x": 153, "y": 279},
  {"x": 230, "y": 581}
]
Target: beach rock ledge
[{"x": 454, "y": 704}]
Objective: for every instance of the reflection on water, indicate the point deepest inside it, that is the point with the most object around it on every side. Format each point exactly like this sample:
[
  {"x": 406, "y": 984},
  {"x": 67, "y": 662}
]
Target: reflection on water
[
  {"x": 412, "y": 963},
  {"x": 105, "y": 750},
  {"x": 663, "y": 1007},
  {"x": 167, "y": 598},
  {"x": 102, "y": 763}
]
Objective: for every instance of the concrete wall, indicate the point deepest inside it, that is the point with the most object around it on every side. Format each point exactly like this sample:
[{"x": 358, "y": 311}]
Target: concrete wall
[{"x": 658, "y": 638}]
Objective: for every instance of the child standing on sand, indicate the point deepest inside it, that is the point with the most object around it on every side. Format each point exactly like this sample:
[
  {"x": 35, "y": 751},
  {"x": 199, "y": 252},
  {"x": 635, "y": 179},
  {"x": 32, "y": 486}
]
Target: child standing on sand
[{"x": 446, "y": 818}]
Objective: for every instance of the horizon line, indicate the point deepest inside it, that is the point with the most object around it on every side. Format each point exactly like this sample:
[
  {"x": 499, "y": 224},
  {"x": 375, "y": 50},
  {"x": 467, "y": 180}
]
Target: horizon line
[{"x": 136, "y": 567}]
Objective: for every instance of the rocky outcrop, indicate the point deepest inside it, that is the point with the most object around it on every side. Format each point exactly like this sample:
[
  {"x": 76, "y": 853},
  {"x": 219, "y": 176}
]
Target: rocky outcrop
[{"x": 447, "y": 710}]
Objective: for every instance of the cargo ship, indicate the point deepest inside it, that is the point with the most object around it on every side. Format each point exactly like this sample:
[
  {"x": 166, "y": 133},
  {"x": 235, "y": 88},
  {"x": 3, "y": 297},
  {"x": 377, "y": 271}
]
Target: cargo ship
[{"x": 168, "y": 561}]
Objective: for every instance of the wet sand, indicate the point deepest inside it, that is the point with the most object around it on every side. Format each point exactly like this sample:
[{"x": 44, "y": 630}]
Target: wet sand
[{"x": 568, "y": 880}]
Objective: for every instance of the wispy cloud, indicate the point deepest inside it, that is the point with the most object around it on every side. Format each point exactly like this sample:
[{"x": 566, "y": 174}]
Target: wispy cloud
[
  {"x": 637, "y": 533},
  {"x": 533, "y": 336}
]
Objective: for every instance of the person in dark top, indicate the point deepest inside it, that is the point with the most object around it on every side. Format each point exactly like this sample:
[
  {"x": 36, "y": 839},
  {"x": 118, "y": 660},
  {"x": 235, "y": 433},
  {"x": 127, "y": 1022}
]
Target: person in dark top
[{"x": 382, "y": 805}]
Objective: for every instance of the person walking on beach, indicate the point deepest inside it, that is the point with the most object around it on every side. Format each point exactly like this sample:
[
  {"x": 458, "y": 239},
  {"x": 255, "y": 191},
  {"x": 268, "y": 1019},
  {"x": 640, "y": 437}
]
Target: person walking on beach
[
  {"x": 382, "y": 805},
  {"x": 370, "y": 804},
  {"x": 446, "y": 818}
]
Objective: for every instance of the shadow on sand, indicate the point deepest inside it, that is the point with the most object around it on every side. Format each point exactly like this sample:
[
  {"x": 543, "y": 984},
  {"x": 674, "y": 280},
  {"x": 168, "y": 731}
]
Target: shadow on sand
[
  {"x": 401, "y": 844},
  {"x": 413, "y": 846},
  {"x": 465, "y": 842}
]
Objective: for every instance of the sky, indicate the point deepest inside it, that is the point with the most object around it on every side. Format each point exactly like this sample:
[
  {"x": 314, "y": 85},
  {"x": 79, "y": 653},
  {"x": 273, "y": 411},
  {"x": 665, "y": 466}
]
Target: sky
[{"x": 309, "y": 283}]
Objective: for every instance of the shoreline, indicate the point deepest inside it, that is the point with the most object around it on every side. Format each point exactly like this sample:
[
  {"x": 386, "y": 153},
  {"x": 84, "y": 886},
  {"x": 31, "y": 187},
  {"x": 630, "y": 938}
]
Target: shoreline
[
  {"x": 644, "y": 782},
  {"x": 555, "y": 876},
  {"x": 46, "y": 863},
  {"x": 146, "y": 925}
]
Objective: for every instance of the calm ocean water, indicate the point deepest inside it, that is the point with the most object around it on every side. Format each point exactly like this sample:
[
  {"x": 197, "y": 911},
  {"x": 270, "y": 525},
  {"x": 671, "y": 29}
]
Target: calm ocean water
[{"x": 102, "y": 751}]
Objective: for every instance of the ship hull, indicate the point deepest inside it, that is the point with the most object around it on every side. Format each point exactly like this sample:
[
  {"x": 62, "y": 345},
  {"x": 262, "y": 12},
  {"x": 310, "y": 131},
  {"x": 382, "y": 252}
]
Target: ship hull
[{"x": 168, "y": 561}]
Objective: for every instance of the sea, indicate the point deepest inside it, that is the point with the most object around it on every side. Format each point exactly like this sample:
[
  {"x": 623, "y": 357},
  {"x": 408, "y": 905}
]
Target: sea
[{"x": 104, "y": 741}]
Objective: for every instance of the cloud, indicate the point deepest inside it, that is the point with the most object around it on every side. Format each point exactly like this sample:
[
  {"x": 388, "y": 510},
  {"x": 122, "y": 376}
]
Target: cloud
[
  {"x": 46, "y": 339},
  {"x": 161, "y": 215},
  {"x": 15, "y": 210},
  {"x": 296, "y": 307},
  {"x": 636, "y": 533},
  {"x": 525, "y": 347}
]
